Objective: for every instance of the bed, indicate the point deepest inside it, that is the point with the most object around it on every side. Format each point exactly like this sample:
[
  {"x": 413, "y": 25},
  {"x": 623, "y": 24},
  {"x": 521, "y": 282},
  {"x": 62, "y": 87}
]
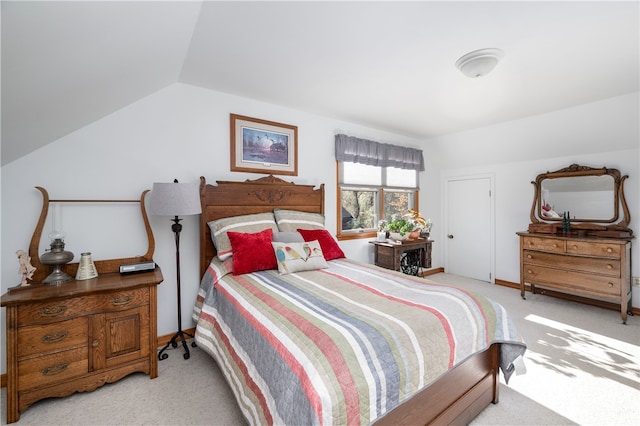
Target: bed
[{"x": 337, "y": 342}]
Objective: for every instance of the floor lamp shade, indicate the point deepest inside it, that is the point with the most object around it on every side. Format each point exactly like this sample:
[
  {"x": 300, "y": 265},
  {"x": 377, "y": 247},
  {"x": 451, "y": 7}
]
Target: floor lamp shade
[{"x": 175, "y": 199}]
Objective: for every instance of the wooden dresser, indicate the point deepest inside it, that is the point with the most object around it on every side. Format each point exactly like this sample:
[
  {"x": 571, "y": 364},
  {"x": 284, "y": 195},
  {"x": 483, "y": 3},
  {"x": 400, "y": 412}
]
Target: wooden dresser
[
  {"x": 79, "y": 335},
  {"x": 592, "y": 267}
]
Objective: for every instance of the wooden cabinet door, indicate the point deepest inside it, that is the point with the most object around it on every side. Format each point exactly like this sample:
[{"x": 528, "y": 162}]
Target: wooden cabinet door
[{"x": 119, "y": 337}]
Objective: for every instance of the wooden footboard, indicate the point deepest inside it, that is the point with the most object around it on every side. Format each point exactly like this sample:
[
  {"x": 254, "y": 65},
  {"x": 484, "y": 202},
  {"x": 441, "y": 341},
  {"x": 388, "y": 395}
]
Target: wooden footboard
[{"x": 456, "y": 398}]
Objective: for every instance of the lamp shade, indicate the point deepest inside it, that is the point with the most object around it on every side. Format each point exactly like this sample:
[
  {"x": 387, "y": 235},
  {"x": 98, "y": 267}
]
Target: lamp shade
[{"x": 175, "y": 199}]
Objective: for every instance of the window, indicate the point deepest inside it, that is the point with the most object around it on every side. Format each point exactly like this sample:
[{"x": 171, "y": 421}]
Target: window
[
  {"x": 368, "y": 194},
  {"x": 375, "y": 181}
]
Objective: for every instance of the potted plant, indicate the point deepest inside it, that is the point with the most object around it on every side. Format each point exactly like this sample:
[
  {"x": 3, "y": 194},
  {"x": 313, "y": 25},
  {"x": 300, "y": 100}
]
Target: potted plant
[
  {"x": 400, "y": 228},
  {"x": 382, "y": 230},
  {"x": 409, "y": 226}
]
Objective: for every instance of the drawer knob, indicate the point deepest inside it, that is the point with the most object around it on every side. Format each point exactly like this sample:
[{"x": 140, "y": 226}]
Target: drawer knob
[
  {"x": 555, "y": 245},
  {"x": 95, "y": 343},
  {"x": 610, "y": 284},
  {"x": 609, "y": 267},
  {"x": 54, "y": 337},
  {"x": 609, "y": 250},
  {"x": 575, "y": 247},
  {"x": 529, "y": 271},
  {"x": 52, "y": 311},
  {"x": 54, "y": 369},
  {"x": 122, "y": 300},
  {"x": 529, "y": 256}
]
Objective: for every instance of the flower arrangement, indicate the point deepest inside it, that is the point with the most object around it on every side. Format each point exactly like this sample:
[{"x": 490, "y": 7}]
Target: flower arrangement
[
  {"x": 406, "y": 224},
  {"x": 423, "y": 224}
]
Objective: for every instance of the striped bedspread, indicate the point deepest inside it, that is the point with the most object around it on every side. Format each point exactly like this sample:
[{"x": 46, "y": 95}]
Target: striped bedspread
[{"x": 342, "y": 345}]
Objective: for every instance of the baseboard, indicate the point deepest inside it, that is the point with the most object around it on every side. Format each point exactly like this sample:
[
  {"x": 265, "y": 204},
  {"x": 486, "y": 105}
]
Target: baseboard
[
  {"x": 433, "y": 271},
  {"x": 510, "y": 284},
  {"x": 161, "y": 341}
]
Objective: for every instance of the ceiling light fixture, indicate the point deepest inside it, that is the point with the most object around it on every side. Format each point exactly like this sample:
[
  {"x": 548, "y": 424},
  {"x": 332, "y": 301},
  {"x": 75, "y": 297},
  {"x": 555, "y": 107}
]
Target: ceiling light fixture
[{"x": 479, "y": 62}]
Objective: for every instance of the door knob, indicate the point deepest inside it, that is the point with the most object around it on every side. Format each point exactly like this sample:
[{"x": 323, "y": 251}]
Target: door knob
[{"x": 450, "y": 237}]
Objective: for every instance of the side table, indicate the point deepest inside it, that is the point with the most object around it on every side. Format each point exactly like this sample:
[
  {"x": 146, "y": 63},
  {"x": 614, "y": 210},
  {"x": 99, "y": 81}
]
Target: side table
[{"x": 407, "y": 256}]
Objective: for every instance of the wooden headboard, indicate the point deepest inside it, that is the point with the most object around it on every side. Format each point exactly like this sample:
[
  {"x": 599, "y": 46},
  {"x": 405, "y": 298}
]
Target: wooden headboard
[{"x": 261, "y": 195}]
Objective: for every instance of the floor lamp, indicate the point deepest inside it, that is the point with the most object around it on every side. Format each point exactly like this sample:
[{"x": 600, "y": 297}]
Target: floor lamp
[{"x": 176, "y": 199}]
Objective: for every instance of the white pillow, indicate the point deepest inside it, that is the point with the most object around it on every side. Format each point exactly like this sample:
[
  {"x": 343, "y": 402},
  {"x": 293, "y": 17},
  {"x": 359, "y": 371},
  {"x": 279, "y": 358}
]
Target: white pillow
[
  {"x": 292, "y": 220},
  {"x": 287, "y": 237},
  {"x": 298, "y": 257}
]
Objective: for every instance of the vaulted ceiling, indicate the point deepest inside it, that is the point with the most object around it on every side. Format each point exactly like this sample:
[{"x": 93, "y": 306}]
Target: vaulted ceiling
[{"x": 388, "y": 65}]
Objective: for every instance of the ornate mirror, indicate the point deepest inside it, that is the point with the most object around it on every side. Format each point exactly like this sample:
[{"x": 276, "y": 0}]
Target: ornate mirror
[{"x": 591, "y": 198}]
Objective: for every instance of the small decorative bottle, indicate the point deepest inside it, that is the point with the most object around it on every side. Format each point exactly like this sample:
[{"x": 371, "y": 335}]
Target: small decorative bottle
[
  {"x": 86, "y": 267},
  {"x": 566, "y": 222}
]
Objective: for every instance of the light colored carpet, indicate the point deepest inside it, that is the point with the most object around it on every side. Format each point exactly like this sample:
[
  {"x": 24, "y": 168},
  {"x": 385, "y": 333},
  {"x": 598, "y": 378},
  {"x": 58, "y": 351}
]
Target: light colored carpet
[{"x": 583, "y": 368}]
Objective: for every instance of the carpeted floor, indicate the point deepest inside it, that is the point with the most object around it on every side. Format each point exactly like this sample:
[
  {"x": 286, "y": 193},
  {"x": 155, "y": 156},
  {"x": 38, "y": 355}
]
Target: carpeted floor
[{"x": 583, "y": 368}]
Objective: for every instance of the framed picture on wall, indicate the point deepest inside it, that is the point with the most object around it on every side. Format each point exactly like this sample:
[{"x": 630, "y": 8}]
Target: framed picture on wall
[{"x": 261, "y": 146}]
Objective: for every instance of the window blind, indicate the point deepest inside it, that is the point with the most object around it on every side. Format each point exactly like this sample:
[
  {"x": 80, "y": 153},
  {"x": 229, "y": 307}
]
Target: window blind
[{"x": 372, "y": 153}]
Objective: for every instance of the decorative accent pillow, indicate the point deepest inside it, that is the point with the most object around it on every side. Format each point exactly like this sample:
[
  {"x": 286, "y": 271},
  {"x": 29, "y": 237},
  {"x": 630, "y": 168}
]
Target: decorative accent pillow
[
  {"x": 252, "y": 252},
  {"x": 246, "y": 223},
  {"x": 287, "y": 237},
  {"x": 329, "y": 245},
  {"x": 298, "y": 257},
  {"x": 290, "y": 220}
]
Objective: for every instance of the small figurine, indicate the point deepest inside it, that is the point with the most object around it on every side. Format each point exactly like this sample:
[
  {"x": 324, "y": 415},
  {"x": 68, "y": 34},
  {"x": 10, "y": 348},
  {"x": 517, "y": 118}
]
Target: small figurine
[{"x": 26, "y": 268}]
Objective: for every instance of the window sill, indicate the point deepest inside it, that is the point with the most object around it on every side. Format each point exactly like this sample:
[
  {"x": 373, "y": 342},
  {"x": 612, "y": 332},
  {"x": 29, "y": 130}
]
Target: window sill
[{"x": 356, "y": 235}]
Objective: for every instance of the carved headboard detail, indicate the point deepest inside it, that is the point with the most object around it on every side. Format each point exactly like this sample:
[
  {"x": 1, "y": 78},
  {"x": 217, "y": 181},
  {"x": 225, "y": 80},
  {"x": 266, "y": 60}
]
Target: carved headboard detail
[{"x": 229, "y": 198}]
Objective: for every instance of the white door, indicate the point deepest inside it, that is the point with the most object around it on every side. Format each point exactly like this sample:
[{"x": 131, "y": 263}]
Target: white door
[{"x": 469, "y": 231}]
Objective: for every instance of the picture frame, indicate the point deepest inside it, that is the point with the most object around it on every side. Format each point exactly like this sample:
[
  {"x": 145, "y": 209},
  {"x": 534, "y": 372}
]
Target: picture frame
[{"x": 262, "y": 146}]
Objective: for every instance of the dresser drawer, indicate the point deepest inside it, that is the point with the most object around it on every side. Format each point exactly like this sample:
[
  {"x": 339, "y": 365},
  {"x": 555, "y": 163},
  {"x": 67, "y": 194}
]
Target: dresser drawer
[
  {"x": 47, "y": 312},
  {"x": 594, "y": 249},
  {"x": 572, "y": 280},
  {"x": 50, "y": 337},
  {"x": 609, "y": 267},
  {"x": 544, "y": 244},
  {"x": 48, "y": 369}
]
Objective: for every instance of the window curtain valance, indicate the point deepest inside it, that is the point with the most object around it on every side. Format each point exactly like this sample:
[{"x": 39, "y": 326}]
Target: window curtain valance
[{"x": 363, "y": 151}]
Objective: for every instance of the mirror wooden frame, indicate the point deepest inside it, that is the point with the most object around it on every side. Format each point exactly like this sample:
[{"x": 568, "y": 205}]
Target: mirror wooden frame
[{"x": 592, "y": 226}]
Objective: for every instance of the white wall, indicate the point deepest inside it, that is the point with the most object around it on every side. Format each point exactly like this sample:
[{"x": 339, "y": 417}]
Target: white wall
[
  {"x": 599, "y": 134},
  {"x": 179, "y": 132}
]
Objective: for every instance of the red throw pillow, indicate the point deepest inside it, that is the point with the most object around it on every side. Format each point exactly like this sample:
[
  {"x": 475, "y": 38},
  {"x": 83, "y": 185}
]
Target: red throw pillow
[
  {"x": 328, "y": 244},
  {"x": 252, "y": 252}
]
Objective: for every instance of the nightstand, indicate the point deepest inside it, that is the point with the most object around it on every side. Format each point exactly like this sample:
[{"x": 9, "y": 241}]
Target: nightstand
[
  {"x": 78, "y": 336},
  {"x": 407, "y": 256}
]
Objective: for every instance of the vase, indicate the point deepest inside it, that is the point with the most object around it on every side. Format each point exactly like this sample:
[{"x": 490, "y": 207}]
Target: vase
[
  {"x": 396, "y": 236},
  {"x": 86, "y": 267},
  {"x": 382, "y": 235},
  {"x": 414, "y": 235}
]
